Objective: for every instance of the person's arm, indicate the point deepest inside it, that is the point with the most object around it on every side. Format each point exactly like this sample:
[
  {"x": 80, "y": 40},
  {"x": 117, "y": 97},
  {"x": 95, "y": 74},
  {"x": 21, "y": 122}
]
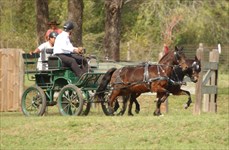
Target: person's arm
[{"x": 37, "y": 50}]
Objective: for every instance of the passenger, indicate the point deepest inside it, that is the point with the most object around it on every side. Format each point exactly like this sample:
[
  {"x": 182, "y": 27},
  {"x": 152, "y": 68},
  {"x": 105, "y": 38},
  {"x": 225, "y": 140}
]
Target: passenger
[
  {"x": 53, "y": 28},
  {"x": 42, "y": 60},
  {"x": 64, "y": 49}
]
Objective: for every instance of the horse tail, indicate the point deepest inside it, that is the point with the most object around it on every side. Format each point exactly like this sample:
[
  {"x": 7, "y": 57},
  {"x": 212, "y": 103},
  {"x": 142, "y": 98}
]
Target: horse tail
[{"x": 105, "y": 81}]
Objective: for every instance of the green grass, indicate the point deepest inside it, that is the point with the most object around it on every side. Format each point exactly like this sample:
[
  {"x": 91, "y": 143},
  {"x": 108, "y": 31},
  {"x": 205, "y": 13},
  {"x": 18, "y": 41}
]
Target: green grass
[
  {"x": 100, "y": 132},
  {"x": 179, "y": 129}
]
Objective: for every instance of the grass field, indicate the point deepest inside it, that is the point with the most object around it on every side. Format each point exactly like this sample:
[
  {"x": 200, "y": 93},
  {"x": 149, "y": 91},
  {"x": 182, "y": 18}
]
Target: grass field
[{"x": 179, "y": 129}]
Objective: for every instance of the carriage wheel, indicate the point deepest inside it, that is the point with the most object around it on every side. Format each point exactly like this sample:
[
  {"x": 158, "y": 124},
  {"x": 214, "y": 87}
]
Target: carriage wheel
[
  {"x": 86, "y": 104},
  {"x": 105, "y": 107},
  {"x": 33, "y": 102},
  {"x": 70, "y": 101},
  {"x": 86, "y": 108},
  {"x": 104, "y": 104}
]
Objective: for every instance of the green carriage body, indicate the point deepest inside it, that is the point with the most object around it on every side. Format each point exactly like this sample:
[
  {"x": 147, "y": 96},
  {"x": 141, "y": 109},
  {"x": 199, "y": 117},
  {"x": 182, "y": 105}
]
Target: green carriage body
[{"x": 57, "y": 79}]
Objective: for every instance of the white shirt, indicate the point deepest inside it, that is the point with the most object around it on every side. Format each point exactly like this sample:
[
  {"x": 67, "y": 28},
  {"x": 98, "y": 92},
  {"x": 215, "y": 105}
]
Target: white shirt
[
  {"x": 43, "y": 56},
  {"x": 62, "y": 44}
]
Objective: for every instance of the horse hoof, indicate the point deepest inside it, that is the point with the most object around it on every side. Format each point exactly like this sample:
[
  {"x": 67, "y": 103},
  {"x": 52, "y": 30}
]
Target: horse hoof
[
  {"x": 157, "y": 114},
  {"x": 185, "y": 106},
  {"x": 130, "y": 114},
  {"x": 137, "y": 111}
]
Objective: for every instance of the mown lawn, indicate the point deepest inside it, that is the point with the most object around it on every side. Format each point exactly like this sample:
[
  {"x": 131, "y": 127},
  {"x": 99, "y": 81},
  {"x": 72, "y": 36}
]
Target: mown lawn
[{"x": 179, "y": 129}]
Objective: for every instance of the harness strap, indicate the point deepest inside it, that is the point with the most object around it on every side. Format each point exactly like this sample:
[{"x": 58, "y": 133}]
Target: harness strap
[
  {"x": 146, "y": 73},
  {"x": 159, "y": 78},
  {"x": 118, "y": 79},
  {"x": 177, "y": 82}
]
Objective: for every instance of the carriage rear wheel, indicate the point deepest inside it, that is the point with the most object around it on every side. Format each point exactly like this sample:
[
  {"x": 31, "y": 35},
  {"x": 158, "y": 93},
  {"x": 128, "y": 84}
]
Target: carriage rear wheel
[
  {"x": 104, "y": 104},
  {"x": 87, "y": 104},
  {"x": 86, "y": 108},
  {"x": 70, "y": 101},
  {"x": 33, "y": 102},
  {"x": 118, "y": 110}
]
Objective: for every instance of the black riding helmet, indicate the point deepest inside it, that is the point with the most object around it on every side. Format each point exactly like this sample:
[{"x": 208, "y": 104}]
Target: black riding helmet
[
  {"x": 53, "y": 35},
  {"x": 68, "y": 26}
]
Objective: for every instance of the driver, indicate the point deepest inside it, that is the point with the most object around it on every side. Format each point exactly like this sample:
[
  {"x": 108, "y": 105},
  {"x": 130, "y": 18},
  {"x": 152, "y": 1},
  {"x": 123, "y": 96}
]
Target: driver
[{"x": 64, "y": 49}]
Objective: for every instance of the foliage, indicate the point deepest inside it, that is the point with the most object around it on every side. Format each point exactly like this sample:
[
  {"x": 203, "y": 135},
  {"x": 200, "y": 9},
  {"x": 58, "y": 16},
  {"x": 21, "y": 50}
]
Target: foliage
[
  {"x": 144, "y": 24},
  {"x": 17, "y": 30},
  {"x": 58, "y": 10}
]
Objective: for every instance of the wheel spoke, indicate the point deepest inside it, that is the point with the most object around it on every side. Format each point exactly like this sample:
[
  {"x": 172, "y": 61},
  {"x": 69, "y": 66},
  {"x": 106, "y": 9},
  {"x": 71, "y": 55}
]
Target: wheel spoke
[
  {"x": 33, "y": 101},
  {"x": 69, "y": 101}
]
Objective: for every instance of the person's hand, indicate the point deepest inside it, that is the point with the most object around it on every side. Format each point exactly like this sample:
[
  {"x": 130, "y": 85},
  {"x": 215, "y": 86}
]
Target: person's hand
[
  {"x": 31, "y": 52},
  {"x": 79, "y": 50}
]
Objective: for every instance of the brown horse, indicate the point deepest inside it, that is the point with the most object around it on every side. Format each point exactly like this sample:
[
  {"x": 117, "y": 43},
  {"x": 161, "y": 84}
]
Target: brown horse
[
  {"x": 174, "y": 86},
  {"x": 142, "y": 78}
]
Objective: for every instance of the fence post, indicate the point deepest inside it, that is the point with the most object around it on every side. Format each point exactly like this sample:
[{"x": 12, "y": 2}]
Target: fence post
[
  {"x": 11, "y": 79},
  {"x": 198, "y": 91},
  {"x": 213, "y": 57}
]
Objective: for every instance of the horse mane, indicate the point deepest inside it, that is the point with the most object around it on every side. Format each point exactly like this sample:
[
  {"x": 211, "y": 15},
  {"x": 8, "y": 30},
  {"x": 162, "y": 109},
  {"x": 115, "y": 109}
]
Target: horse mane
[{"x": 165, "y": 56}]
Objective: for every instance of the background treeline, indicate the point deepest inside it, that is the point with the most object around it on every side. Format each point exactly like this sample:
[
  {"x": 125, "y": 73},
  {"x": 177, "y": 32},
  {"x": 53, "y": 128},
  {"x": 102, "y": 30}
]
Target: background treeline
[{"x": 145, "y": 25}]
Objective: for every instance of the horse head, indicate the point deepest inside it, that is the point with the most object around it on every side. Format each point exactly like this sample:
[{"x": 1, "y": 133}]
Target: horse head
[
  {"x": 180, "y": 58},
  {"x": 194, "y": 70}
]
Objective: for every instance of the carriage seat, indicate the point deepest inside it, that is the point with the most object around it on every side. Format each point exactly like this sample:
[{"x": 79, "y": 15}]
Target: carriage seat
[
  {"x": 30, "y": 61},
  {"x": 54, "y": 62}
]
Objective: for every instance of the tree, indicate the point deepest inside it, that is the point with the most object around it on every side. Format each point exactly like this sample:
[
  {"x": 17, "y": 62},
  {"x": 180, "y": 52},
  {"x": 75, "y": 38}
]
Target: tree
[
  {"x": 75, "y": 14},
  {"x": 42, "y": 19},
  {"x": 112, "y": 29}
]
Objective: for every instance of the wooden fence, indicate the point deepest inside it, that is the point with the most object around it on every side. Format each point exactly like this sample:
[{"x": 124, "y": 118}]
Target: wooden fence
[
  {"x": 11, "y": 79},
  {"x": 206, "y": 87}
]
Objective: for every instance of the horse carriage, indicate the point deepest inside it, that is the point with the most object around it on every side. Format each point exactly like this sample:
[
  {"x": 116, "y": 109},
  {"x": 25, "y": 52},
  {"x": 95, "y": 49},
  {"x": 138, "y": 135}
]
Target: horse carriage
[{"x": 75, "y": 94}]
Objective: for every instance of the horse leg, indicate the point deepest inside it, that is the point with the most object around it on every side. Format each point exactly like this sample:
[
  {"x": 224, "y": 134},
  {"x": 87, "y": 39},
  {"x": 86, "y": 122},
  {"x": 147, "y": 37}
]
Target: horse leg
[
  {"x": 157, "y": 112},
  {"x": 133, "y": 97},
  {"x": 112, "y": 98},
  {"x": 125, "y": 100},
  {"x": 189, "y": 99},
  {"x": 130, "y": 105},
  {"x": 165, "y": 96},
  {"x": 137, "y": 109},
  {"x": 183, "y": 92},
  {"x": 161, "y": 97}
]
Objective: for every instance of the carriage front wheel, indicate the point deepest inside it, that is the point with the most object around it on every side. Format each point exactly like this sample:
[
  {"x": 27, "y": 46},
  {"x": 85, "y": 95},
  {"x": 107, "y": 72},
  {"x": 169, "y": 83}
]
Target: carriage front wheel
[
  {"x": 70, "y": 101},
  {"x": 33, "y": 102}
]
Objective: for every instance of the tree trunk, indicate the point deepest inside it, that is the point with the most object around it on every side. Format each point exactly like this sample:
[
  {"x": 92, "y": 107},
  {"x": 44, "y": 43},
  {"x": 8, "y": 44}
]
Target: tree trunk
[
  {"x": 75, "y": 14},
  {"x": 112, "y": 29},
  {"x": 42, "y": 19}
]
